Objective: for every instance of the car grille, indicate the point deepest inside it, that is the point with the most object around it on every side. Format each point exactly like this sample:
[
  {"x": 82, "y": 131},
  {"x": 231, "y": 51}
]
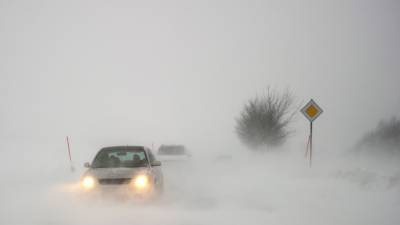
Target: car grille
[{"x": 115, "y": 181}]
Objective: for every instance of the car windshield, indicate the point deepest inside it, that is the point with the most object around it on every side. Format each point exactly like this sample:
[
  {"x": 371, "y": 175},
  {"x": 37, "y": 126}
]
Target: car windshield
[
  {"x": 171, "y": 150},
  {"x": 120, "y": 157}
]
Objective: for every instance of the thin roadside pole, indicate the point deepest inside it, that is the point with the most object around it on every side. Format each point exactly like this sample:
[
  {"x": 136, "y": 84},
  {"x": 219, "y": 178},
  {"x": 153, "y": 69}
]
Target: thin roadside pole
[
  {"x": 311, "y": 133},
  {"x": 69, "y": 150},
  {"x": 69, "y": 154}
]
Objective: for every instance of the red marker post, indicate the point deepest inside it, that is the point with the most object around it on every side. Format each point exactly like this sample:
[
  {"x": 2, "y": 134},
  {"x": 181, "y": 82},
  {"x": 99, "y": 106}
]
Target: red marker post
[{"x": 69, "y": 154}]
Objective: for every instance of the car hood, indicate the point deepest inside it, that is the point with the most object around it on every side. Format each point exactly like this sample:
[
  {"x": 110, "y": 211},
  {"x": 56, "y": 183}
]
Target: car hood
[{"x": 112, "y": 173}]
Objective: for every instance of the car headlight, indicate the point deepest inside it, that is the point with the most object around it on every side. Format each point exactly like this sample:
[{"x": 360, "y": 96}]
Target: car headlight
[
  {"x": 141, "y": 182},
  {"x": 88, "y": 182}
]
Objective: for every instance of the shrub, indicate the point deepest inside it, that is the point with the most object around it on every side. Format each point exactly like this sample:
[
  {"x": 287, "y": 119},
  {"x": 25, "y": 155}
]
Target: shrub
[
  {"x": 264, "y": 120},
  {"x": 386, "y": 136}
]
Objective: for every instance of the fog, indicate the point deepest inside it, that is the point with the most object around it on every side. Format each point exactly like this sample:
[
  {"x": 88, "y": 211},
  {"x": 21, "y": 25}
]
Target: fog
[{"x": 179, "y": 72}]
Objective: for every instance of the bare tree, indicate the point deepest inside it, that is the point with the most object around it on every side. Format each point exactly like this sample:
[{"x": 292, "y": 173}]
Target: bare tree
[{"x": 264, "y": 120}]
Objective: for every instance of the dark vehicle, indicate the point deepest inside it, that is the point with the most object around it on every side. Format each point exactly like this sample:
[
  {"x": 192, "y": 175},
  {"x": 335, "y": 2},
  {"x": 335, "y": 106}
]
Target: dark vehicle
[
  {"x": 173, "y": 153},
  {"x": 130, "y": 170}
]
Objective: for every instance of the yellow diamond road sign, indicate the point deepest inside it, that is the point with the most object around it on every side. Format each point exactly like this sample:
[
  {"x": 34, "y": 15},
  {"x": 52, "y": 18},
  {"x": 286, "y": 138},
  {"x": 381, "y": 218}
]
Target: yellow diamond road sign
[{"x": 311, "y": 110}]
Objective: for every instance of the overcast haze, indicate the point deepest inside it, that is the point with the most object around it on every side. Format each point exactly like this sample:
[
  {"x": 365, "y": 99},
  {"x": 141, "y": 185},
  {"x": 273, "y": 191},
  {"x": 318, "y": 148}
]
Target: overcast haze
[{"x": 154, "y": 72}]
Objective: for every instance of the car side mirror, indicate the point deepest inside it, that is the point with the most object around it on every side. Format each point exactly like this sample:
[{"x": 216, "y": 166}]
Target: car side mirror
[
  {"x": 156, "y": 163},
  {"x": 86, "y": 164}
]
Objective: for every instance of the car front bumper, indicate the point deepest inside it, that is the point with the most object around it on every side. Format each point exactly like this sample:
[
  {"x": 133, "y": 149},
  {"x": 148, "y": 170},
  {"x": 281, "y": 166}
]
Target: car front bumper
[{"x": 123, "y": 191}]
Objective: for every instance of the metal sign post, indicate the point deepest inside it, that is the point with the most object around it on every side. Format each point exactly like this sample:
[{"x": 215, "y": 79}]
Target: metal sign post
[{"x": 311, "y": 111}]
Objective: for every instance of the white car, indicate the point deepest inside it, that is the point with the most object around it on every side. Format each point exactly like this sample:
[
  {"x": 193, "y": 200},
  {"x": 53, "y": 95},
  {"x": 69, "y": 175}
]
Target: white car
[{"x": 127, "y": 170}]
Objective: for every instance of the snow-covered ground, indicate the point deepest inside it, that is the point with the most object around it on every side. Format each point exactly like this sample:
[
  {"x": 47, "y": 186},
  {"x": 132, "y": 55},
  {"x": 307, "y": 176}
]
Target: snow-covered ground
[{"x": 263, "y": 189}]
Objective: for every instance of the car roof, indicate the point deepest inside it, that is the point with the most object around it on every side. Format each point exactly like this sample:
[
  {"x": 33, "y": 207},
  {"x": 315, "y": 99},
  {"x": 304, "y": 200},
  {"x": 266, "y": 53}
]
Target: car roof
[{"x": 127, "y": 147}]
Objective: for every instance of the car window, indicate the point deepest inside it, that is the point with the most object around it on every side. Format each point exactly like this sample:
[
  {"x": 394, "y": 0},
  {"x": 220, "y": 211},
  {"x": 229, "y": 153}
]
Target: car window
[
  {"x": 128, "y": 155},
  {"x": 171, "y": 150},
  {"x": 120, "y": 157}
]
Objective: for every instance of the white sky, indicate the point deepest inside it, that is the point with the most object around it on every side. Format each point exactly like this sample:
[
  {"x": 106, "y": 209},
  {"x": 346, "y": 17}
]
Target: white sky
[{"x": 116, "y": 72}]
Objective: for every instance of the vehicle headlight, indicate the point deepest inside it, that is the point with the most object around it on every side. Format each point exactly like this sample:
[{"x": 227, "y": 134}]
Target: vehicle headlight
[
  {"x": 141, "y": 181},
  {"x": 88, "y": 182}
]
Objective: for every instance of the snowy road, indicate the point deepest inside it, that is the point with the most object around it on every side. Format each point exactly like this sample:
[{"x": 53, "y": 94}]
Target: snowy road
[{"x": 231, "y": 192}]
